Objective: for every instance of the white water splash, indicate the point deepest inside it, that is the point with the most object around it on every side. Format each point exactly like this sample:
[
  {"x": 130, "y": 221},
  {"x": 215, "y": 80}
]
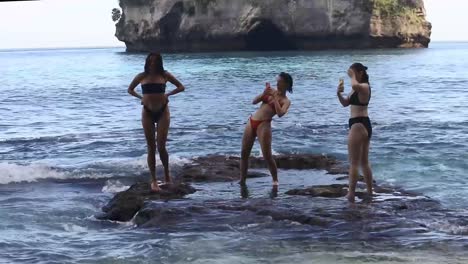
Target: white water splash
[
  {"x": 15, "y": 173},
  {"x": 74, "y": 228},
  {"x": 10, "y": 173},
  {"x": 141, "y": 162},
  {"x": 114, "y": 186}
]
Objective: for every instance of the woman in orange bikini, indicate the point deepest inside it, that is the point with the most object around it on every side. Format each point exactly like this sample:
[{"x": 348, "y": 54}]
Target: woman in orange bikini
[{"x": 274, "y": 102}]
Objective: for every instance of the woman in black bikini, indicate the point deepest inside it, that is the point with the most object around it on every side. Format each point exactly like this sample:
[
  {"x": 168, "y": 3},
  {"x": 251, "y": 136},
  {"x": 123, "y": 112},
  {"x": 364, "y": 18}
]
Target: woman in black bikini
[
  {"x": 155, "y": 110},
  {"x": 274, "y": 102},
  {"x": 360, "y": 128}
]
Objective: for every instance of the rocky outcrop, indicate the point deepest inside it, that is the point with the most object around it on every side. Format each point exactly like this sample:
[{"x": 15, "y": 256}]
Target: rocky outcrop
[
  {"x": 303, "y": 206},
  {"x": 340, "y": 190},
  {"x": 220, "y": 25},
  {"x": 157, "y": 214},
  {"x": 126, "y": 204},
  {"x": 216, "y": 168},
  {"x": 329, "y": 191},
  {"x": 398, "y": 209},
  {"x": 314, "y": 209}
]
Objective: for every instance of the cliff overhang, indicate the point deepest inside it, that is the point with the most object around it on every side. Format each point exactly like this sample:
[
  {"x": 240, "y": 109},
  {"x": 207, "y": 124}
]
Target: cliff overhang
[{"x": 223, "y": 25}]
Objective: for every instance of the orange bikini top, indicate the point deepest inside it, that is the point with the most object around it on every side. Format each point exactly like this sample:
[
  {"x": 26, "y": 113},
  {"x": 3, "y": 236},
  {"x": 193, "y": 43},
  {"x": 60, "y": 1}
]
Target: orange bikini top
[{"x": 271, "y": 104}]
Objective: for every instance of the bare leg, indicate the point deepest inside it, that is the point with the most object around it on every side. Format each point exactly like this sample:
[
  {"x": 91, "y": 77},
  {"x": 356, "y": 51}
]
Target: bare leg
[
  {"x": 365, "y": 165},
  {"x": 247, "y": 144},
  {"x": 148, "y": 127},
  {"x": 161, "y": 138},
  {"x": 244, "y": 191},
  {"x": 274, "y": 191},
  {"x": 355, "y": 141},
  {"x": 264, "y": 137}
]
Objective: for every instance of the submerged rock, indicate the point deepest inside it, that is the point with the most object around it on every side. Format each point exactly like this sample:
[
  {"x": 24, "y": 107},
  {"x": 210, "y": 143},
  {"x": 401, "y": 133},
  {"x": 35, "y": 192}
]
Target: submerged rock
[
  {"x": 346, "y": 177},
  {"x": 210, "y": 214},
  {"x": 341, "y": 190},
  {"x": 302, "y": 215},
  {"x": 302, "y": 208},
  {"x": 316, "y": 213},
  {"x": 299, "y": 162},
  {"x": 126, "y": 204},
  {"x": 221, "y": 25},
  {"x": 214, "y": 169},
  {"x": 226, "y": 168},
  {"x": 330, "y": 191}
]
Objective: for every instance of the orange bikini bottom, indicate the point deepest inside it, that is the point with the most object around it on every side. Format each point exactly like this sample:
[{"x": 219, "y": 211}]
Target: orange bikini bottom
[{"x": 256, "y": 123}]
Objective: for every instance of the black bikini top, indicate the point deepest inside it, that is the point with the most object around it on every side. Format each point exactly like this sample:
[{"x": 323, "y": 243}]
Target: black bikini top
[
  {"x": 354, "y": 99},
  {"x": 153, "y": 88}
]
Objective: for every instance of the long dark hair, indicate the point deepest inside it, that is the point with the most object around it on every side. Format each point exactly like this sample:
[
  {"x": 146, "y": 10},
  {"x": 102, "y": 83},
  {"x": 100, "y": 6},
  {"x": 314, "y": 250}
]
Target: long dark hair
[
  {"x": 359, "y": 67},
  {"x": 288, "y": 79},
  {"x": 158, "y": 68}
]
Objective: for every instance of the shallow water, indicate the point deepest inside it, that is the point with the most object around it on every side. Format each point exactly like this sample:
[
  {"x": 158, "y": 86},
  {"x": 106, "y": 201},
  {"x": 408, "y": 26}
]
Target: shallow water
[{"x": 70, "y": 131}]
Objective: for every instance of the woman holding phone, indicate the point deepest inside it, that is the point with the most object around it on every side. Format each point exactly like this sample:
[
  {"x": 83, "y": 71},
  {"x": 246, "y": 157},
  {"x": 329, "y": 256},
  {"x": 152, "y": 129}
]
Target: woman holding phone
[
  {"x": 274, "y": 102},
  {"x": 360, "y": 128}
]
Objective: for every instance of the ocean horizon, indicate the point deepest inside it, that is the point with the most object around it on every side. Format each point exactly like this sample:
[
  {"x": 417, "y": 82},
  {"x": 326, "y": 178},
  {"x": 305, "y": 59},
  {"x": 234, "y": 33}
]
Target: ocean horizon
[{"x": 433, "y": 42}]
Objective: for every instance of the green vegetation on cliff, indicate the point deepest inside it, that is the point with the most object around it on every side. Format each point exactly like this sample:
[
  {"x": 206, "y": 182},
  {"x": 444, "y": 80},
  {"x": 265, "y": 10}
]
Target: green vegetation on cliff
[
  {"x": 388, "y": 7},
  {"x": 398, "y": 8}
]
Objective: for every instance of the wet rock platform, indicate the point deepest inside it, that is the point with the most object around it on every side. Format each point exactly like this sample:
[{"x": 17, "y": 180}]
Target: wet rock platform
[
  {"x": 226, "y": 168},
  {"x": 308, "y": 207}
]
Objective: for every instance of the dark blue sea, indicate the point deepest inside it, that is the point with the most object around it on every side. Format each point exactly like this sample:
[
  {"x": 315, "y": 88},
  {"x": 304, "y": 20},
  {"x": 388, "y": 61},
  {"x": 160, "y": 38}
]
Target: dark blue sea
[{"x": 71, "y": 136}]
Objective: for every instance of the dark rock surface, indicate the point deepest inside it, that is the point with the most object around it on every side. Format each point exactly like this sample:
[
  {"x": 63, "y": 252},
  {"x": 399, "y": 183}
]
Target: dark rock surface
[
  {"x": 207, "y": 213},
  {"x": 213, "y": 168},
  {"x": 380, "y": 218},
  {"x": 226, "y": 168},
  {"x": 340, "y": 190},
  {"x": 346, "y": 177},
  {"x": 330, "y": 191},
  {"x": 322, "y": 208},
  {"x": 308, "y": 206},
  {"x": 299, "y": 162},
  {"x": 126, "y": 204}
]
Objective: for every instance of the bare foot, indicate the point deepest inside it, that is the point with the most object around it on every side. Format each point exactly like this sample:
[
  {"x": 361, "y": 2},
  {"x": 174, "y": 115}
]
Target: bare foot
[
  {"x": 350, "y": 198},
  {"x": 168, "y": 181},
  {"x": 155, "y": 187},
  {"x": 274, "y": 192}
]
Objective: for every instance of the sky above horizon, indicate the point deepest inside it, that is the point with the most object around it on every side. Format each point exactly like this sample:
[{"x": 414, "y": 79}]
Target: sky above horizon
[{"x": 88, "y": 23}]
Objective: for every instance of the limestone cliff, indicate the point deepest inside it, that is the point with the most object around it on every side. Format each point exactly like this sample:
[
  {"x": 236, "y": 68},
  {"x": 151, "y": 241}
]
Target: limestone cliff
[{"x": 220, "y": 25}]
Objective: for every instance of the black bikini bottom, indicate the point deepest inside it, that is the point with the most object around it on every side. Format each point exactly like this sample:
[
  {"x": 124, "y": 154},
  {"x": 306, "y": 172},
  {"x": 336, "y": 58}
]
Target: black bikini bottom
[
  {"x": 363, "y": 120},
  {"x": 156, "y": 115}
]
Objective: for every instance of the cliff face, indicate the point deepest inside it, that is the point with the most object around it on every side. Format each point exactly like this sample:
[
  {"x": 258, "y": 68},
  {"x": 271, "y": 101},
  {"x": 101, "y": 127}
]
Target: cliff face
[{"x": 219, "y": 25}]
